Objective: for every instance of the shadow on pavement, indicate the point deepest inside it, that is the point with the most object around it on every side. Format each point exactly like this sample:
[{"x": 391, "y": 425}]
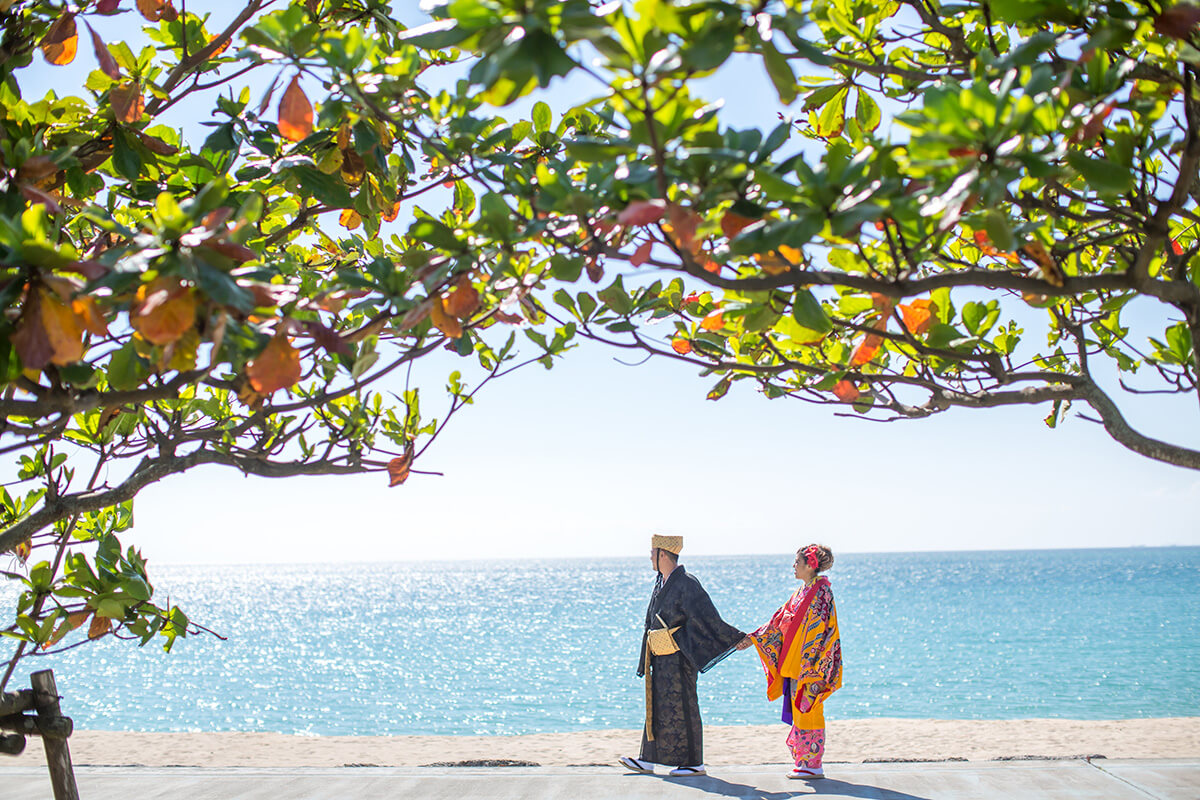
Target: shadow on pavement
[{"x": 815, "y": 788}]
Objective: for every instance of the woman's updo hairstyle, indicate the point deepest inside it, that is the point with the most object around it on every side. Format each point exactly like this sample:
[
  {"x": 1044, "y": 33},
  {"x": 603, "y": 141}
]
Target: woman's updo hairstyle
[{"x": 824, "y": 556}]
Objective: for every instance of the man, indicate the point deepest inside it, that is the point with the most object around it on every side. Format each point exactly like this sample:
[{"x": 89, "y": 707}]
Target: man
[{"x": 684, "y": 635}]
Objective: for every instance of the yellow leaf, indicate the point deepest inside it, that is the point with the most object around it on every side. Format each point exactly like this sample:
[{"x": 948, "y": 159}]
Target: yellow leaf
[{"x": 350, "y": 219}]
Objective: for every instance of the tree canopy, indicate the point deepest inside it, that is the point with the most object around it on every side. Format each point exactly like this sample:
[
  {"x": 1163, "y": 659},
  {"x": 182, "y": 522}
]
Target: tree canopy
[
  {"x": 949, "y": 182},
  {"x": 229, "y": 299},
  {"x": 963, "y": 205}
]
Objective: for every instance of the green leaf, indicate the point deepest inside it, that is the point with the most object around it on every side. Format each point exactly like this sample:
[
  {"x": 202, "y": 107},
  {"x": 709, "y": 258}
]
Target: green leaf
[
  {"x": 780, "y": 72},
  {"x": 542, "y": 118},
  {"x": 866, "y": 112},
  {"x": 807, "y": 311},
  {"x": 126, "y": 160},
  {"x": 1102, "y": 175},
  {"x": 126, "y": 370}
]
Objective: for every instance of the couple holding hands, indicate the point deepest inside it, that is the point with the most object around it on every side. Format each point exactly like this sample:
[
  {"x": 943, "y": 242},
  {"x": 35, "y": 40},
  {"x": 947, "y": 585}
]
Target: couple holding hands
[{"x": 799, "y": 648}]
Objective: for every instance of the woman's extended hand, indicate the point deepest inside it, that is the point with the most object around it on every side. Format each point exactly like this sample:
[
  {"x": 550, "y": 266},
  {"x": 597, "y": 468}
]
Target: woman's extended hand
[{"x": 744, "y": 643}]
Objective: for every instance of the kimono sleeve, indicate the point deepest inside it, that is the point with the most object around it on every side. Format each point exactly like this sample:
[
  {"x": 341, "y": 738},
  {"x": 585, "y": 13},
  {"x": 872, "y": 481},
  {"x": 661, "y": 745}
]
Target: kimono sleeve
[{"x": 705, "y": 638}]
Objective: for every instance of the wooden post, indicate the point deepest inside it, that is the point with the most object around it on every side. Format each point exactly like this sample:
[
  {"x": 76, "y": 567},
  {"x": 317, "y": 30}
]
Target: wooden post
[
  {"x": 12, "y": 744},
  {"x": 58, "y": 755}
]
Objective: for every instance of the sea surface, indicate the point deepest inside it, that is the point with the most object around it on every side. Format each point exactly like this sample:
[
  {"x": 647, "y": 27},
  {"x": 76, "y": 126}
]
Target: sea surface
[{"x": 528, "y": 646}]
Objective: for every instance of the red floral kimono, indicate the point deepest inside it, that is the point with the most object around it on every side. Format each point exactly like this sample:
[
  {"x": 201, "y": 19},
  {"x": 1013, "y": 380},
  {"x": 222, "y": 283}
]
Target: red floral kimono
[{"x": 802, "y": 656}]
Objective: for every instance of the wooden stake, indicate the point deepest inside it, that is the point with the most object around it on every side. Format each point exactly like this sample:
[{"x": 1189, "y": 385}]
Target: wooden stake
[{"x": 58, "y": 755}]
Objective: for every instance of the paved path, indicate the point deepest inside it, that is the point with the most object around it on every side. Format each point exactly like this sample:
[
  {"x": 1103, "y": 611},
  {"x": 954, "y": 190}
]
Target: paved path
[{"x": 1027, "y": 780}]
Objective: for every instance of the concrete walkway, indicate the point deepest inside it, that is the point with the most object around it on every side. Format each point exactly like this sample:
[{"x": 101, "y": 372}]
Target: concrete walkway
[{"x": 1028, "y": 780}]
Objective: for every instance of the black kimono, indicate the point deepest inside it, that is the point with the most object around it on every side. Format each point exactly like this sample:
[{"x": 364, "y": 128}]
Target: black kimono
[{"x": 703, "y": 639}]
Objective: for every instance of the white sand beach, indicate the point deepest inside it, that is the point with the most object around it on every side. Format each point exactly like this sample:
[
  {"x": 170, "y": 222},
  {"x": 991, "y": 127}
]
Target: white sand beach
[{"x": 848, "y": 741}]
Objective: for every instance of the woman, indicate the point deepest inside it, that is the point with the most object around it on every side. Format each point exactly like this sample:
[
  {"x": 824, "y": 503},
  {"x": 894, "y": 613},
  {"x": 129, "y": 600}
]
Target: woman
[{"x": 802, "y": 656}]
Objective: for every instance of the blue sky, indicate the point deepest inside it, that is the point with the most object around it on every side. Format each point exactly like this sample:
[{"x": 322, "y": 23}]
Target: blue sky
[{"x": 591, "y": 457}]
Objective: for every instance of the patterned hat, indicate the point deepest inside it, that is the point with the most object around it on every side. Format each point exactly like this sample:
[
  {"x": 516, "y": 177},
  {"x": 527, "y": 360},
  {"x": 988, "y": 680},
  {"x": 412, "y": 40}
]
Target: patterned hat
[{"x": 672, "y": 544}]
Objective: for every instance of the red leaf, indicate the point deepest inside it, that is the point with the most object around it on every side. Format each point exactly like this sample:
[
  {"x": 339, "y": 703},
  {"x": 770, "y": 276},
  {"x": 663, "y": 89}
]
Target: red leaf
[
  {"x": 295, "y": 113},
  {"x": 398, "y": 469},
  {"x": 157, "y": 146},
  {"x": 327, "y": 338},
  {"x": 642, "y": 212},
  {"x": 38, "y": 196},
  {"x": 642, "y": 254},
  {"x": 127, "y": 102},
  {"x": 595, "y": 270},
  {"x": 108, "y": 6},
  {"x": 88, "y": 269},
  {"x": 108, "y": 65},
  {"x": 30, "y": 340},
  {"x": 510, "y": 319},
  {"x": 1176, "y": 247},
  {"x": 1178, "y": 21}
]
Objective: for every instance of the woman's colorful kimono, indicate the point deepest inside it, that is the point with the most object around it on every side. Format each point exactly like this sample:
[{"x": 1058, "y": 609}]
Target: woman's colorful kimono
[{"x": 802, "y": 656}]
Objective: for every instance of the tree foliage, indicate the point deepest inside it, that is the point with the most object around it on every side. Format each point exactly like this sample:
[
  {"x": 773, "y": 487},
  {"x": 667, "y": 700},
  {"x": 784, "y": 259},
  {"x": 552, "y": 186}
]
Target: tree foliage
[
  {"x": 951, "y": 184},
  {"x": 235, "y": 297}
]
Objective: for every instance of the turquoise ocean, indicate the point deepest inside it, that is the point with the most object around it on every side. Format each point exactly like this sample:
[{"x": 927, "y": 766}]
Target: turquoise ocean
[{"x": 530, "y": 646}]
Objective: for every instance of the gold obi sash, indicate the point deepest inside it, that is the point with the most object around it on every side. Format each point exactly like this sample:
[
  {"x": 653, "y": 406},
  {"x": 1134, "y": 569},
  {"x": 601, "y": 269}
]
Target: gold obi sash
[{"x": 659, "y": 642}]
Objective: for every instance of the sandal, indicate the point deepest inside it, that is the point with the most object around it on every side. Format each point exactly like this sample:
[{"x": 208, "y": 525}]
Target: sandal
[
  {"x": 805, "y": 773},
  {"x": 634, "y": 765},
  {"x": 688, "y": 772}
]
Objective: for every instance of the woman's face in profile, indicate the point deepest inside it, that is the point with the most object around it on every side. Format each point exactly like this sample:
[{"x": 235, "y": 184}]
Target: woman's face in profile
[{"x": 803, "y": 571}]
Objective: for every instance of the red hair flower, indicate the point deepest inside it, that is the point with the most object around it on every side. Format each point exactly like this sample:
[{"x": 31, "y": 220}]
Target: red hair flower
[{"x": 810, "y": 557}]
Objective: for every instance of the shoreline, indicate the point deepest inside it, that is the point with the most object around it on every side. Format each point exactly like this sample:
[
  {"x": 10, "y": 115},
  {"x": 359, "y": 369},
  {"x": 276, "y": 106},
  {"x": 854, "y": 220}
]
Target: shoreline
[{"x": 848, "y": 741}]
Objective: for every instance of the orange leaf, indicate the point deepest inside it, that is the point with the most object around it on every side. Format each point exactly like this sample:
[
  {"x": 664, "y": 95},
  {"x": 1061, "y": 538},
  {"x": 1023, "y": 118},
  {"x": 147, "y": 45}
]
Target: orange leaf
[
  {"x": 350, "y": 219},
  {"x": 463, "y": 300},
  {"x": 918, "y": 315},
  {"x": 443, "y": 321},
  {"x": 89, "y": 314},
  {"x": 63, "y": 329},
  {"x": 390, "y": 216},
  {"x": 681, "y": 346},
  {"x": 398, "y": 469},
  {"x": 108, "y": 64},
  {"x": 295, "y": 113},
  {"x": 276, "y": 367},
  {"x": 867, "y": 350},
  {"x": 163, "y": 310},
  {"x": 642, "y": 212},
  {"x": 1050, "y": 270},
  {"x": 61, "y": 41},
  {"x": 733, "y": 223},
  {"x": 1176, "y": 247},
  {"x": 846, "y": 391},
  {"x": 127, "y": 102},
  {"x": 713, "y": 322},
  {"x": 99, "y": 627},
  {"x": 642, "y": 254}
]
